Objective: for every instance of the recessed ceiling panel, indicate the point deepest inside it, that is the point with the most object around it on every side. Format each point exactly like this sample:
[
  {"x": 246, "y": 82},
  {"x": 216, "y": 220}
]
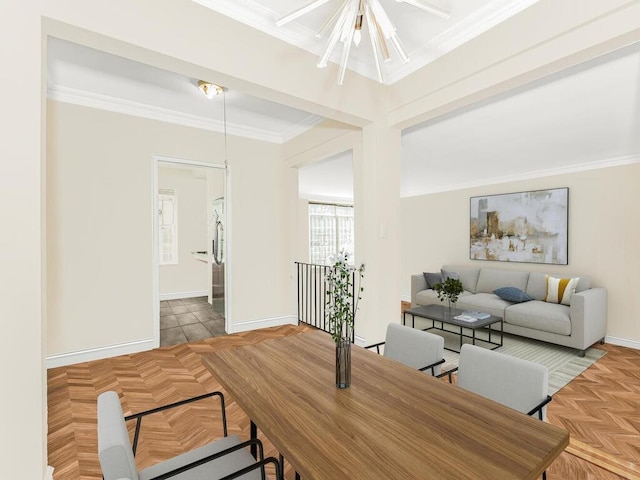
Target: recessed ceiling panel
[
  {"x": 80, "y": 74},
  {"x": 584, "y": 115},
  {"x": 424, "y": 36}
]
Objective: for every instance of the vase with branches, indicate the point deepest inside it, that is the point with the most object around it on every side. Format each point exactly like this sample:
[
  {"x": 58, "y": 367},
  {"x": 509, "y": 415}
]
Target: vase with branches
[
  {"x": 449, "y": 289},
  {"x": 344, "y": 290}
]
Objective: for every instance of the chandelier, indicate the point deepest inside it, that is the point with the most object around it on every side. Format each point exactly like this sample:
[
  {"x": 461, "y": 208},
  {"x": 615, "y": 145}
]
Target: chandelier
[{"x": 346, "y": 24}]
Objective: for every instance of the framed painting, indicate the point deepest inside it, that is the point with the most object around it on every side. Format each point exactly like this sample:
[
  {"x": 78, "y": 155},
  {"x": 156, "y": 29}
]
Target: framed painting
[{"x": 521, "y": 227}]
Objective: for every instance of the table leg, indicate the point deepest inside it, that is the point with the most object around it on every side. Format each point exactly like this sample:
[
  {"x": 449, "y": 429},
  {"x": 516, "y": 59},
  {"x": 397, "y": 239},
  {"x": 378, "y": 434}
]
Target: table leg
[
  {"x": 254, "y": 435},
  {"x": 460, "y": 337},
  {"x": 473, "y": 335}
]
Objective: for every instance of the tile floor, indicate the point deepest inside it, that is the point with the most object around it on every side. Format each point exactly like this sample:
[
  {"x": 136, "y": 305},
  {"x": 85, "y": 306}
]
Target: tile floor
[{"x": 190, "y": 319}]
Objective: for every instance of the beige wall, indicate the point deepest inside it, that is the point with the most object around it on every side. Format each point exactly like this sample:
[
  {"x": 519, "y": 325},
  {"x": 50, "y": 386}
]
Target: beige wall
[
  {"x": 23, "y": 399},
  {"x": 603, "y": 233},
  {"x": 189, "y": 275},
  {"x": 260, "y": 243},
  {"x": 100, "y": 186}
]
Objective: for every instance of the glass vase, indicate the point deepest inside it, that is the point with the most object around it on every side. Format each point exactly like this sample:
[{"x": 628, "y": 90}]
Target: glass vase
[
  {"x": 343, "y": 363},
  {"x": 451, "y": 309}
]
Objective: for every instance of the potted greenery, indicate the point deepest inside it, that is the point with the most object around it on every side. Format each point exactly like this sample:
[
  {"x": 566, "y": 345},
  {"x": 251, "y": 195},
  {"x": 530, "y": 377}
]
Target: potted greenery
[
  {"x": 449, "y": 289},
  {"x": 342, "y": 303}
]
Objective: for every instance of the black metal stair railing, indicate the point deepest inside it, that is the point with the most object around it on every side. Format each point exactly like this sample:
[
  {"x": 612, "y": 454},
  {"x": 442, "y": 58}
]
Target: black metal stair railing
[{"x": 312, "y": 294}]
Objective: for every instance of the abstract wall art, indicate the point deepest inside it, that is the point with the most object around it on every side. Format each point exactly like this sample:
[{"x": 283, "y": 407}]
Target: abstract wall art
[{"x": 521, "y": 227}]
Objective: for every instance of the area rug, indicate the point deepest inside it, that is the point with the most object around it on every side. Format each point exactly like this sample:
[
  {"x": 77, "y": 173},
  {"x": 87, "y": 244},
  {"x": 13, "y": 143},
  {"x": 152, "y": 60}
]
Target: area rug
[{"x": 564, "y": 363}]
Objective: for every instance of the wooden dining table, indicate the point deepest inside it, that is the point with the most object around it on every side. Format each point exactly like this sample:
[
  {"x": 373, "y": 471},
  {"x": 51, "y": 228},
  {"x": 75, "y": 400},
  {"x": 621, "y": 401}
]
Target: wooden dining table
[{"x": 393, "y": 422}]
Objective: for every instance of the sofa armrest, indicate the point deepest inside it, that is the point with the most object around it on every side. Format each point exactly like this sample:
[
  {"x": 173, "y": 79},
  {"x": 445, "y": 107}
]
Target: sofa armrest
[
  {"x": 418, "y": 283},
  {"x": 588, "y": 312}
]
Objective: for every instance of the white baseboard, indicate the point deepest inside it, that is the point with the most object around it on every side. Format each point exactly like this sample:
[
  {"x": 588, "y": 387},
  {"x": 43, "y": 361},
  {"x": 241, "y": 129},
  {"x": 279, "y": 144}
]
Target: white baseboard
[
  {"x": 405, "y": 298},
  {"x": 263, "y": 323},
  {"x": 48, "y": 473},
  {"x": 623, "y": 342},
  {"x": 108, "y": 351},
  {"x": 361, "y": 341},
  {"x": 178, "y": 295}
]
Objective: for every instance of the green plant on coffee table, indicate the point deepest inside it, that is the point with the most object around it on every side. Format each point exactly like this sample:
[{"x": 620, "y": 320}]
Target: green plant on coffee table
[{"x": 449, "y": 289}]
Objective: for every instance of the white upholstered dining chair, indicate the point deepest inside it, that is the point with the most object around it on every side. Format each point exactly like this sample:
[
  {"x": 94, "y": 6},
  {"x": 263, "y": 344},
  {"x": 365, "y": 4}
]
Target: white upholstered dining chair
[
  {"x": 224, "y": 459},
  {"x": 513, "y": 382},
  {"x": 415, "y": 348}
]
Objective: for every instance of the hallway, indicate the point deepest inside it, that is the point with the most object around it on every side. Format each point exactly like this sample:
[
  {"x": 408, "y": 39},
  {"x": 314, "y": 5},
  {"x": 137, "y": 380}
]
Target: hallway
[{"x": 190, "y": 319}]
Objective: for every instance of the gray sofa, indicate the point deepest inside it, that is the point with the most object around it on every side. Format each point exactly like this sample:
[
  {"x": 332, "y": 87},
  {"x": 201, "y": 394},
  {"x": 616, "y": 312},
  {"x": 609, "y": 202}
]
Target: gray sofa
[{"x": 578, "y": 325}]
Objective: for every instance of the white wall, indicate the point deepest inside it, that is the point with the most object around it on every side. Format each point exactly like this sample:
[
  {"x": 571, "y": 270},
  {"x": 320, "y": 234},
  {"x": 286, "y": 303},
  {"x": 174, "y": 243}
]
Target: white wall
[
  {"x": 603, "y": 233},
  {"x": 189, "y": 276}
]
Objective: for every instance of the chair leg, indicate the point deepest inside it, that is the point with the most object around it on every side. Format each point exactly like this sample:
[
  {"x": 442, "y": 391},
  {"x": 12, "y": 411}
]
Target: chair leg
[
  {"x": 544, "y": 475},
  {"x": 297, "y": 476},
  {"x": 253, "y": 435}
]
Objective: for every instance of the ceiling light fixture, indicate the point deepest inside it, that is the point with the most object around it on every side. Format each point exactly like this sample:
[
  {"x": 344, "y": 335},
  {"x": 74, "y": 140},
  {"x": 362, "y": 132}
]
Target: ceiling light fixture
[
  {"x": 347, "y": 21},
  {"x": 210, "y": 90}
]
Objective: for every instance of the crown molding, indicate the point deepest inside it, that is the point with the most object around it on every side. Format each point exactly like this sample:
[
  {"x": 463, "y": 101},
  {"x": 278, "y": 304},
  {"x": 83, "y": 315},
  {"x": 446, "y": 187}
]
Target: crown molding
[
  {"x": 128, "y": 107},
  {"x": 307, "y": 123},
  {"x": 607, "y": 163},
  {"x": 257, "y": 16},
  {"x": 472, "y": 26}
]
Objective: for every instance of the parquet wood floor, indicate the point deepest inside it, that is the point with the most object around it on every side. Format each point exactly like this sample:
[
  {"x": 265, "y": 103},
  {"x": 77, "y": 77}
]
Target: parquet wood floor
[{"x": 600, "y": 409}]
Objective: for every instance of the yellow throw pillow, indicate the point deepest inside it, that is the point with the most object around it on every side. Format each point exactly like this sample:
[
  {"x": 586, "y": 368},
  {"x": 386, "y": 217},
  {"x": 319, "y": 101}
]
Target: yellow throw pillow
[{"x": 559, "y": 290}]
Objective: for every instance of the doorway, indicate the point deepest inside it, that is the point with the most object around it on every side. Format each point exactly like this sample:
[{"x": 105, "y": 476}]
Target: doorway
[{"x": 189, "y": 220}]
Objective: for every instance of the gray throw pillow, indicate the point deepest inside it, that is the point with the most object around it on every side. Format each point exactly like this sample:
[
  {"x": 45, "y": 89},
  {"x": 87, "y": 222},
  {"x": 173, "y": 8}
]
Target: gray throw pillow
[
  {"x": 512, "y": 294},
  {"x": 432, "y": 279},
  {"x": 446, "y": 274}
]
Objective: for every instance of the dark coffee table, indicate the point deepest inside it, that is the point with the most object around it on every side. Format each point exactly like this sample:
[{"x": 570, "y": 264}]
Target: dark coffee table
[{"x": 441, "y": 314}]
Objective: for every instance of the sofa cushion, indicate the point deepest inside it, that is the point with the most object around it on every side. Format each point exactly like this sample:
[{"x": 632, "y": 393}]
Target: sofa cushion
[
  {"x": 512, "y": 294},
  {"x": 491, "y": 279},
  {"x": 583, "y": 284},
  {"x": 560, "y": 290},
  {"x": 537, "y": 286},
  {"x": 432, "y": 279},
  {"x": 467, "y": 275},
  {"x": 446, "y": 274},
  {"x": 483, "y": 302},
  {"x": 539, "y": 315},
  {"x": 427, "y": 297}
]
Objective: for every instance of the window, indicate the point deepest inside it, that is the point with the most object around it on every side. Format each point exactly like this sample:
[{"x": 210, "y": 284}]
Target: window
[
  {"x": 168, "y": 227},
  {"x": 330, "y": 230}
]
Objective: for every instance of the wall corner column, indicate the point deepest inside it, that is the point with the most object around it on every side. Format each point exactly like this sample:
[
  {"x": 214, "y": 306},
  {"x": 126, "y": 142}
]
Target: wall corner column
[
  {"x": 23, "y": 439},
  {"x": 376, "y": 168}
]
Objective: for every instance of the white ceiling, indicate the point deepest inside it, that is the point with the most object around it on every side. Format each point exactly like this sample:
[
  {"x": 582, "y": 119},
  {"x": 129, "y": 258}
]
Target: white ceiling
[
  {"x": 424, "y": 36},
  {"x": 586, "y": 117},
  {"x": 329, "y": 180}
]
